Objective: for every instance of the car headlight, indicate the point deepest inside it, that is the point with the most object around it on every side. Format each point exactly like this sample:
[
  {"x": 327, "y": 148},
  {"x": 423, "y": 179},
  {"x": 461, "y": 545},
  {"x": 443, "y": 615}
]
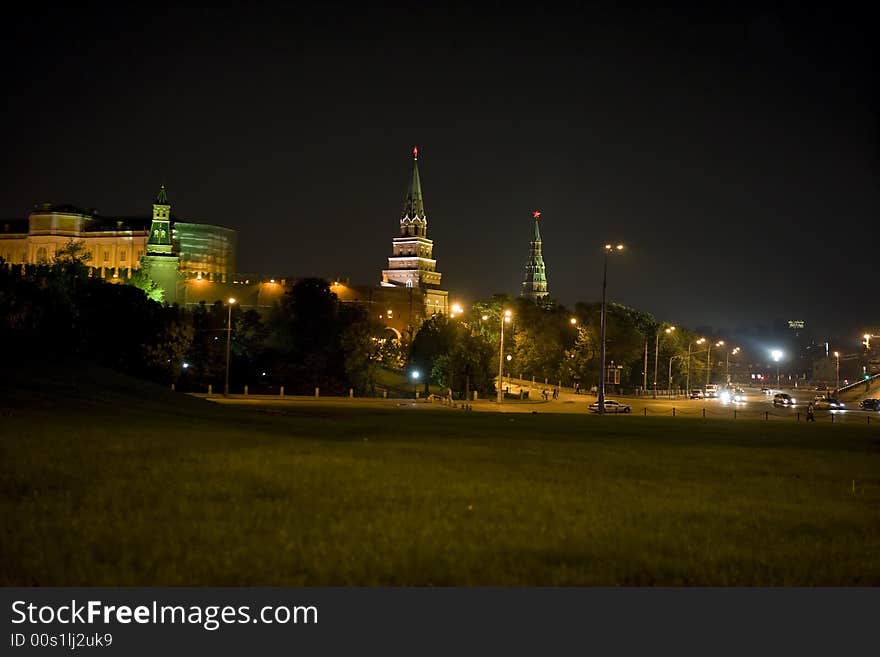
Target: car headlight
[{"x": 794, "y": 401}]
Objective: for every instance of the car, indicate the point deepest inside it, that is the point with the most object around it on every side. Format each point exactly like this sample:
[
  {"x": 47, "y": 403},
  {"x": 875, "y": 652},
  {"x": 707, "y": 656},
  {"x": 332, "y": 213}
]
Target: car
[
  {"x": 611, "y": 406},
  {"x": 870, "y": 404},
  {"x": 784, "y": 399},
  {"x": 766, "y": 390},
  {"x": 829, "y": 403},
  {"x": 696, "y": 393},
  {"x": 821, "y": 387},
  {"x": 712, "y": 390},
  {"x": 738, "y": 395}
]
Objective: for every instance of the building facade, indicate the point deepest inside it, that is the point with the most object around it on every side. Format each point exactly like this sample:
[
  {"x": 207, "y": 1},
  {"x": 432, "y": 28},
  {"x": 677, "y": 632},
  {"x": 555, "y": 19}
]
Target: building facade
[{"x": 116, "y": 245}]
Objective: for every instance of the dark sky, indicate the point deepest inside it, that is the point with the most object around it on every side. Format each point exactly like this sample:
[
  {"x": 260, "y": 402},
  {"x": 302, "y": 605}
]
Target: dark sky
[{"x": 733, "y": 149}]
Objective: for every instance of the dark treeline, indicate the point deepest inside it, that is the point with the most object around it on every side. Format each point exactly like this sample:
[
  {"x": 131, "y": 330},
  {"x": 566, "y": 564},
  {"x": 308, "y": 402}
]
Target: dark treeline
[
  {"x": 311, "y": 340},
  {"x": 308, "y": 340}
]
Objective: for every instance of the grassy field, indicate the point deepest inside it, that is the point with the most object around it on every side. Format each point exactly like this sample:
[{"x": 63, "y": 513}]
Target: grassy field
[{"x": 109, "y": 481}]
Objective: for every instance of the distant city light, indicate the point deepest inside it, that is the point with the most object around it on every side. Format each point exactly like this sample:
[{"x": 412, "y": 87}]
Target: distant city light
[
  {"x": 415, "y": 375},
  {"x": 185, "y": 365},
  {"x": 776, "y": 354}
]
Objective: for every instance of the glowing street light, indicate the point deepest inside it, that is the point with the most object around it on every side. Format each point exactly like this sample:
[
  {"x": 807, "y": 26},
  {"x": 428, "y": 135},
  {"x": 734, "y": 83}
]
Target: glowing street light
[
  {"x": 601, "y": 400},
  {"x": 727, "y": 361},
  {"x": 505, "y": 318},
  {"x": 837, "y": 383},
  {"x": 691, "y": 344},
  {"x": 667, "y": 331},
  {"x": 720, "y": 343},
  {"x": 414, "y": 375},
  {"x": 777, "y": 355},
  {"x": 573, "y": 321},
  {"x": 231, "y": 302}
]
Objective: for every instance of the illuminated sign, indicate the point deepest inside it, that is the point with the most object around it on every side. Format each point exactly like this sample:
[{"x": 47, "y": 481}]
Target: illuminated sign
[{"x": 795, "y": 323}]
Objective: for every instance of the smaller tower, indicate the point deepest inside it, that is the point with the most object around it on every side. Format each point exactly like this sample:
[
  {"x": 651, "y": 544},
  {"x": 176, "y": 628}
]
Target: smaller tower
[
  {"x": 160, "y": 261},
  {"x": 160, "y": 228},
  {"x": 534, "y": 284}
]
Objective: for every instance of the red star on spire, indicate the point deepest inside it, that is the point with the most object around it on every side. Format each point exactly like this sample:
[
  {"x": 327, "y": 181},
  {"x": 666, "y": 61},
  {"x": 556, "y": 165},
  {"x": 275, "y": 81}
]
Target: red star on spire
[
  {"x": 415, "y": 152},
  {"x": 536, "y": 214}
]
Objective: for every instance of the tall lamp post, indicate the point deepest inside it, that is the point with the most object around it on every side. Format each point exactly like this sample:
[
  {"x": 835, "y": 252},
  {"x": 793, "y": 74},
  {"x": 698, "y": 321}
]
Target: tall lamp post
[
  {"x": 727, "y": 362},
  {"x": 720, "y": 343},
  {"x": 415, "y": 377},
  {"x": 505, "y": 317},
  {"x": 672, "y": 358},
  {"x": 691, "y": 344},
  {"x": 668, "y": 330},
  {"x": 776, "y": 354},
  {"x": 231, "y": 301},
  {"x": 601, "y": 400},
  {"x": 837, "y": 369}
]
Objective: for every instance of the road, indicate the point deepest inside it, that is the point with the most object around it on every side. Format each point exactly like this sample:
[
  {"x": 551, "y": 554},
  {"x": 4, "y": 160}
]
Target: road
[{"x": 758, "y": 406}]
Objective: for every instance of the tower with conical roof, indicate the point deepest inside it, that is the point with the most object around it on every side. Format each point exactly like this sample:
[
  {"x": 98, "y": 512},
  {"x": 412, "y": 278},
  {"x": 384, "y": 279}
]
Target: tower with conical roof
[
  {"x": 159, "y": 240},
  {"x": 160, "y": 262},
  {"x": 412, "y": 264},
  {"x": 534, "y": 284}
]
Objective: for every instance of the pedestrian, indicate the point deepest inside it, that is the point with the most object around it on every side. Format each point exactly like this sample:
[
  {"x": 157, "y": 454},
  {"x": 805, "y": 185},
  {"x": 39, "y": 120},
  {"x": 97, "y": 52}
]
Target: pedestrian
[
  {"x": 544, "y": 394},
  {"x": 577, "y": 388},
  {"x": 810, "y": 417},
  {"x": 555, "y": 393}
]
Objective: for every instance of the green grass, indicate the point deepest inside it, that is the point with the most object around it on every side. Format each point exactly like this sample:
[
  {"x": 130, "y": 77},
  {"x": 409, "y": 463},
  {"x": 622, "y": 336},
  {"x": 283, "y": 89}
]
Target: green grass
[{"x": 109, "y": 481}]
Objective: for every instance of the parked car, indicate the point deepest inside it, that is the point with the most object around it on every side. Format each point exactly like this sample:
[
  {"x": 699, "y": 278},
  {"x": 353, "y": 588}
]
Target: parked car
[
  {"x": 696, "y": 393},
  {"x": 784, "y": 399},
  {"x": 870, "y": 404},
  {"x": 611, "y": 406},
  {"x": 829, "y": 403}
]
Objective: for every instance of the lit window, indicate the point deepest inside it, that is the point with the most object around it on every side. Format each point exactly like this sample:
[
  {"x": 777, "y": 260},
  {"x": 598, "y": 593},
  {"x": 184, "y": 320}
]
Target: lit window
[
  {"x": 122, "y": 254},
  {"x": 106, "y": 256}
]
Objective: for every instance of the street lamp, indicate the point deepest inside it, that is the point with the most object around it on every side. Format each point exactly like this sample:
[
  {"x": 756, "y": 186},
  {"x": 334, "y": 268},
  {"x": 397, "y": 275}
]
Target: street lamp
[
  {"x": 601, "y": 398},
  {"x": 657, "y": 353},
  {"x": 777, "y": 354},
  {"x": 672, "y": 358},
  {"x": 228, "y": 341},
  {"x": 720, "y": 343},
  {"x": 691, "y": 344},
  {"x": 727, "y": 362},
  {"x": 415, "y": 374},
  {"x": 837, "y": 384},
  {"x": 505, "y": 317}
]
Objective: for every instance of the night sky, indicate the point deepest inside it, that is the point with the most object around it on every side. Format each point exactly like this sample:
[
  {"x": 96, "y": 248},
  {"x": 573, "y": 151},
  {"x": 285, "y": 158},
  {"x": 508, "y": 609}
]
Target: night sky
[{"x": 733, "y": 150}]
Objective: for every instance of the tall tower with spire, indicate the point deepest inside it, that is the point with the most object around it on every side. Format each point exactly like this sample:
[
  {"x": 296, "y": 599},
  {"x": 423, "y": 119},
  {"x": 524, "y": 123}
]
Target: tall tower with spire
[
  {"x": 411, "y": 264},
  {"x": 160, "y": 261},
  {"x": 534, "y": 284}
]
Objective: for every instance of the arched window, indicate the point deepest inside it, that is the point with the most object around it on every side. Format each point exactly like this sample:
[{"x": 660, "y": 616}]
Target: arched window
[
  {"x": 122, "y": 255},
  {"x": 409, "y": 282}
]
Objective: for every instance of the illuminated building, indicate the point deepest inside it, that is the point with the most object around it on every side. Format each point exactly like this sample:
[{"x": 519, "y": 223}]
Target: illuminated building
[
  {"x": 115, "y": 244},
  {"x": 411, "y": 264},
  {"x": 534, "y": 284}
]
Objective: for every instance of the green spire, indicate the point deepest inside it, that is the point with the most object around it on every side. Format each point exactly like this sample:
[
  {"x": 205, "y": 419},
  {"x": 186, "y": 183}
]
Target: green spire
[
  {"x": 162, "y": 196},
  {"x": 534, "y": 285},
  {"x": 414, "y": 206}
]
